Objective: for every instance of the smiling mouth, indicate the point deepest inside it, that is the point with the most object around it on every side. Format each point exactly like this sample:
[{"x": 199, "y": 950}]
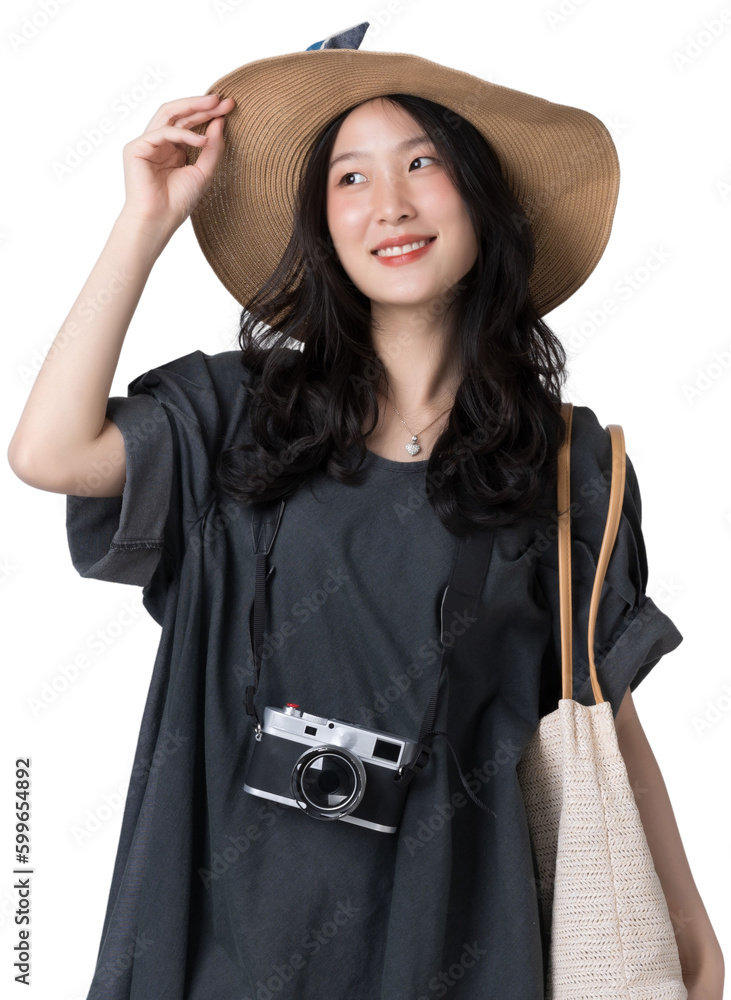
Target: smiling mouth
[{"x": 401, "y": 251}]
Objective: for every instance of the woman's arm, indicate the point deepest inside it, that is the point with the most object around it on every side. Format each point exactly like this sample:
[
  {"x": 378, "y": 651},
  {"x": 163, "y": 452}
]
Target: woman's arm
[
  {"x": 701, "y": 957},
  {"x": 63, "y": 435},
  {"x": 64, "y": 441}
]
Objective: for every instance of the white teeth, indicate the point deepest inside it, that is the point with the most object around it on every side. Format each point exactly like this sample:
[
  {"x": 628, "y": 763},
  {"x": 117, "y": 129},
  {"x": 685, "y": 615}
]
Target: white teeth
[{"x": 392, "y": 251}]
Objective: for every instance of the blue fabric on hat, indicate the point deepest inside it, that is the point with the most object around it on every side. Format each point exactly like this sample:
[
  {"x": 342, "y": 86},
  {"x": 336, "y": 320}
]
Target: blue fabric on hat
[{"x": 348, "y": 38}]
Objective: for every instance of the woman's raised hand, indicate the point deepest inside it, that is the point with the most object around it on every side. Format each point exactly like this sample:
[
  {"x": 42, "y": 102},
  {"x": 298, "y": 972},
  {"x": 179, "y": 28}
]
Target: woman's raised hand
[{"x": 162, "y": 189}]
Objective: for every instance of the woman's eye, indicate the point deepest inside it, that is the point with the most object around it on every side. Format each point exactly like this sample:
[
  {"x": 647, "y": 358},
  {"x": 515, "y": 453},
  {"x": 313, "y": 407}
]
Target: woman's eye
[
  {"x": 355, "y": 173},
  {"x": 423, "y": 158}
]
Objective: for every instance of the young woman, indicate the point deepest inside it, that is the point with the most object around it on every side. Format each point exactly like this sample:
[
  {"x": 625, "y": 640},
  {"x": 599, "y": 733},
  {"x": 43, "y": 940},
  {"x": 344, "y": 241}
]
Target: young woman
[{"x": 407, "y": 392}]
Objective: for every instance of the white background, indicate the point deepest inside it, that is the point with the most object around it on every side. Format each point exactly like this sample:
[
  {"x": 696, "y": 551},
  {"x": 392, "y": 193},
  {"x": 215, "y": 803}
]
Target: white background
[{"x": 615, "y": 58}]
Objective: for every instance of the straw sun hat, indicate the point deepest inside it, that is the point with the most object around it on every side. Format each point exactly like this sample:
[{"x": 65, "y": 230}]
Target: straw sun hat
[{"x": 560, "y": 162}]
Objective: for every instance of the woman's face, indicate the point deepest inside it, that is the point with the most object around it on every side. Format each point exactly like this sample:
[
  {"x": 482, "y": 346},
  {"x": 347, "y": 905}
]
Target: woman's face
[{"x": 380, "y": 191}]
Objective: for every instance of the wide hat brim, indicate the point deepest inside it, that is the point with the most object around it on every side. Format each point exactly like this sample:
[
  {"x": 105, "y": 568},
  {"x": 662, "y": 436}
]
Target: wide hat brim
[{"x": 560, "y": 162}]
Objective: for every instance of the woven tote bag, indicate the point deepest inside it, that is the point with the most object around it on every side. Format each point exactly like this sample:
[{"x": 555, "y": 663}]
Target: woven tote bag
[{"x": 611, "y": 932}]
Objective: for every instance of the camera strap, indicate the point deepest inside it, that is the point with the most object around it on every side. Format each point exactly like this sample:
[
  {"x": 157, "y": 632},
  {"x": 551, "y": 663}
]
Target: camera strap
[{"x": 459, "y": 604}]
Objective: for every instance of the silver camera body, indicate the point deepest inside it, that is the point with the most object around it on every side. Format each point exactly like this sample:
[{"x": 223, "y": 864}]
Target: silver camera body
[{"x": 330, "y": 768}]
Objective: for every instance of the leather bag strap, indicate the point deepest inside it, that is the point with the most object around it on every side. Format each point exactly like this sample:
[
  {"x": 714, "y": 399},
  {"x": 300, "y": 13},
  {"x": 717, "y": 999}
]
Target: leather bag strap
[{"x": 616, "y": 497}]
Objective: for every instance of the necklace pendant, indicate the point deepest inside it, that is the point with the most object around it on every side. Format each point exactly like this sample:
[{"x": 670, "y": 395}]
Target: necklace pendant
[{"x": 412, "y": 447}]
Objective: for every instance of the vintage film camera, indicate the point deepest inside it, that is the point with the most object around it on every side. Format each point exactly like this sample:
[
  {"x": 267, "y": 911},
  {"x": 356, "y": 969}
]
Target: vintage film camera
[{"x": 330, "y": 768}]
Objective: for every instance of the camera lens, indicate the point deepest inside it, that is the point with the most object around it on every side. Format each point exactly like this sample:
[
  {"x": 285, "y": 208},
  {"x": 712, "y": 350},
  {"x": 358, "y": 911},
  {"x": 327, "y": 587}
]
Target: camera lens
[{"x": 327, "y": 782}]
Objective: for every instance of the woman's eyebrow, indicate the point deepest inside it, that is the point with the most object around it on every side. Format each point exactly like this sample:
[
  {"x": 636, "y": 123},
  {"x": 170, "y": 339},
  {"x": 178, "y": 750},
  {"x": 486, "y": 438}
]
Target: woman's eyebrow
[{"x": 364, "y": 154}]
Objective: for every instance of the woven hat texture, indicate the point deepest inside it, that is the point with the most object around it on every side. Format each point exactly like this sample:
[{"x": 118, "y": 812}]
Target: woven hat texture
[{"x": 559, "y": 161}]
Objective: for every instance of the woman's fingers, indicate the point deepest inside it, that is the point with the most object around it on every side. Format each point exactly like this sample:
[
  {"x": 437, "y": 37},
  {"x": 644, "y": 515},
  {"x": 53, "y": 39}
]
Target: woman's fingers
[
  {"x": 160, "y": 187},
  {"x": 158, "y": 137},
  {"x": 197, "y": 117},
  {"x": 200, "y": 107},
  {"x": 210, "y": 151}
]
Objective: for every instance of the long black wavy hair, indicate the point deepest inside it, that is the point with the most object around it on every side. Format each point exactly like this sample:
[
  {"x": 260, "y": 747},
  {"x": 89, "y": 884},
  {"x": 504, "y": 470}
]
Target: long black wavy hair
[{"x": 495, "y": 462}]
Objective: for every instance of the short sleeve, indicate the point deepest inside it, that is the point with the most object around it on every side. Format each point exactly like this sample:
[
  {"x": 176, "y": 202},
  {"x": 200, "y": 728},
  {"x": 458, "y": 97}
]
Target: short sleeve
[
  {"x": 170, "y": 421},
  {"x": 631, "y": 634}
]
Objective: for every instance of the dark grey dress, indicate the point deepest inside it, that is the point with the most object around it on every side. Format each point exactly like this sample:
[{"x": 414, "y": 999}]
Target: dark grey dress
[{"x": 217, "y": 893}]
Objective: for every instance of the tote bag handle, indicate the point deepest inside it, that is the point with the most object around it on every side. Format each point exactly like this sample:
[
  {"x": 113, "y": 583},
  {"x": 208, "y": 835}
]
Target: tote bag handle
[{"x": 616, "y": 497}]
